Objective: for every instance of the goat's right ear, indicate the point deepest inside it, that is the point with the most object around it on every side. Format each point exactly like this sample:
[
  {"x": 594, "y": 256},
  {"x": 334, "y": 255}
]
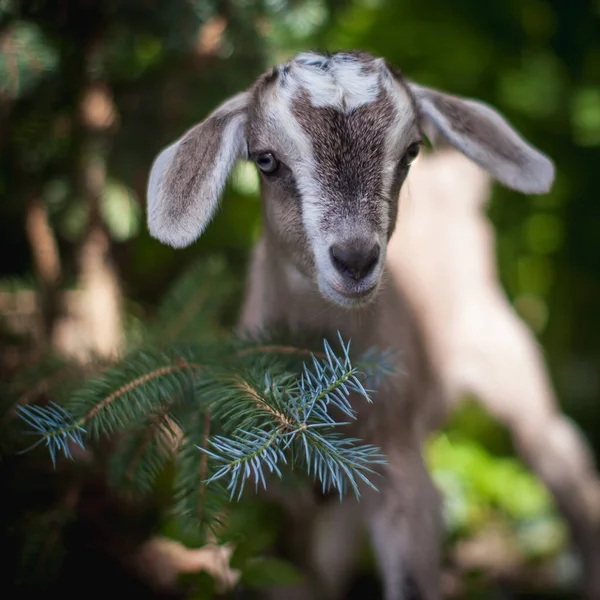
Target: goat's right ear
[{"x": 187, "y": 177}]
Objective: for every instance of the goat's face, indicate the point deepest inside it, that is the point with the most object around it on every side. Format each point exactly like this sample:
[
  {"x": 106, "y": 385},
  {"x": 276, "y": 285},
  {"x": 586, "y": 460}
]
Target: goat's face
[{"x": 333, "y": 138}]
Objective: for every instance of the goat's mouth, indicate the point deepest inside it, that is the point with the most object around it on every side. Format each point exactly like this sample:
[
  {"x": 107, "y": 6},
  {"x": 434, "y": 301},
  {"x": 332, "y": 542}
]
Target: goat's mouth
[{"x": 349, "y": 296}]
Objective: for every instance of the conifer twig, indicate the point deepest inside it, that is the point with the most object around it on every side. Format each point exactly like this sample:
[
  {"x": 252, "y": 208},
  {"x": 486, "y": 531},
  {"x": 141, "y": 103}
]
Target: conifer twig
[{"x": 128, "y": 387}]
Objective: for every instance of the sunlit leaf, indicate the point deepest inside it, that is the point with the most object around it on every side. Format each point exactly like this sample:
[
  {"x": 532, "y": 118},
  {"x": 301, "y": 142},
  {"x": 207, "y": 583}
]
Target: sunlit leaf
[{"x": 121, "y": 211}]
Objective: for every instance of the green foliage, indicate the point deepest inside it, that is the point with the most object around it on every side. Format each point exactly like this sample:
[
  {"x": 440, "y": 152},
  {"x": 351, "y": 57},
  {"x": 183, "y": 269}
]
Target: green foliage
[
  {"x": 222, "y": 413},
  {"x": 480, "y": 488},
  {"x": 264, "y": 417},
  {"x": 55, "y": 426}
]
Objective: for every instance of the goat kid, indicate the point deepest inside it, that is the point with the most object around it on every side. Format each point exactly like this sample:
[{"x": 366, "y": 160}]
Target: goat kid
[{"x": 333, "y": 137}]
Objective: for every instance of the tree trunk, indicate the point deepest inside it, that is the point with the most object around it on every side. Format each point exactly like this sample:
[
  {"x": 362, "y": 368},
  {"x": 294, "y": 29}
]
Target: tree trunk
[
  {"x": 101, "y": 296},
  {"x": 47, "y": 266}
]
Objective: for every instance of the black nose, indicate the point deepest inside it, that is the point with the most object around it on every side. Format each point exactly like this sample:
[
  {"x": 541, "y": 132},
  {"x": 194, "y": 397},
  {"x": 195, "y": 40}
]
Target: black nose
[{"x": 354, "y": 260}]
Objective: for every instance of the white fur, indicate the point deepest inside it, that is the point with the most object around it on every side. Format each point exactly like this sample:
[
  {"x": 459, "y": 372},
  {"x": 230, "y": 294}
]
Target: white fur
[
  {"x": 157, "y": 174},
  {"x": 299, "y": 154},
  {"x": 343, "y": 85}
]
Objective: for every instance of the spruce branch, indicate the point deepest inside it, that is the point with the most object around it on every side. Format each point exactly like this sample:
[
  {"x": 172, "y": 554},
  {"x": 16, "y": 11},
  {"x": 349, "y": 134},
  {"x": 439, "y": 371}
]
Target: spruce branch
[
  {"x": 378, "y": 366},
  {"x": 55, "y": 426},
  {"x": 204, "y": 463},
  {"x": 336, "y": 461},
  {"x": 125, "y": 394},
  {"x": 228, "y": 413},
  {"x": 246, "y": 456},
  {"x": 198, "y": 505},
  {"x": 142, "y": 454},
  {"x": 297, "y": 415},
  {"x": 118, "y": 400},
  {"x": 50, "y": 376}
]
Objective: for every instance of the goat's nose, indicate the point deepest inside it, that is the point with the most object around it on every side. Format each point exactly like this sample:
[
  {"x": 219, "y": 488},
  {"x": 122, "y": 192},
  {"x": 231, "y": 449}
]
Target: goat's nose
[{"x": 354, "y": 260}]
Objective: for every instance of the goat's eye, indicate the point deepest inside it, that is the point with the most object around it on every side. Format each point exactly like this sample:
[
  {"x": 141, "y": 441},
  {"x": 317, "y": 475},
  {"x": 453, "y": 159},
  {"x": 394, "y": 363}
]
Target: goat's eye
[
  {"x": 411, "y": 153},
  {"x": 267, "y": 163}
]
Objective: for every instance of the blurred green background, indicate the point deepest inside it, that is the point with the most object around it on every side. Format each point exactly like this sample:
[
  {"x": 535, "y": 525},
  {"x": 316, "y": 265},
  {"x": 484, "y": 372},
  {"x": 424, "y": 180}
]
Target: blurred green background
[{"x": 91, "y": 90}]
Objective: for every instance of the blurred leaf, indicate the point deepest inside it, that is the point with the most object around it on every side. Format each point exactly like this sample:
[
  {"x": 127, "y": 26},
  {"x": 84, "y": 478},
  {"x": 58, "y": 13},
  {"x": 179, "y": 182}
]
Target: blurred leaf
[
  {"x": 120, "y": 210},
  {"x": 73, "y": 221},
  {"x": 479, "y": 487},
  {"x": 535, "y": 274},
  {"x": 56, "y": 193},
  {"x": 533, "y": 310},
  {"x": 536, "y": 88},
  {"x": 585, "y": 115},
  {"x": 265, "y": 572},
  {"x": 245, "y": 179},
  {"x": 203, "y": 585},
  {"x": 252, "y": 527},
  {"x": 544, "y": 233}
]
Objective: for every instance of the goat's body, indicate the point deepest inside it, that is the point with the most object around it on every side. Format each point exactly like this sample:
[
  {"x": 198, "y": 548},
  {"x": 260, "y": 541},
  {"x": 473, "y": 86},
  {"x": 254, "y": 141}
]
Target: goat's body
[
  {"x": 333, "y": 137},
  {"x": 444, "y": 255},
  {"x": 403, "y": 519}
]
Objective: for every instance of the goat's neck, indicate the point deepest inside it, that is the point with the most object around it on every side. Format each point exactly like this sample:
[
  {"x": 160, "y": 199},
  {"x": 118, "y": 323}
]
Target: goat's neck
[{"x": 279, "y": 294}]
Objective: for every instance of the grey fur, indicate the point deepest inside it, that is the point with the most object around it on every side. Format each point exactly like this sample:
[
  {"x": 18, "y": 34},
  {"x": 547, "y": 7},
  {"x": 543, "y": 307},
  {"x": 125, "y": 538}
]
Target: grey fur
[
  {"x": 483, "y": 135},
  {"x": 347, "y": 149},
  {"x": 187, "y": 178}
]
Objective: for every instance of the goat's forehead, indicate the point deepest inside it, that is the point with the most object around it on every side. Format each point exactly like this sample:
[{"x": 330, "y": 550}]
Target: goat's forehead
[
  {"x": 350, "y": 85},
  {"x": 343, "y": 81}
]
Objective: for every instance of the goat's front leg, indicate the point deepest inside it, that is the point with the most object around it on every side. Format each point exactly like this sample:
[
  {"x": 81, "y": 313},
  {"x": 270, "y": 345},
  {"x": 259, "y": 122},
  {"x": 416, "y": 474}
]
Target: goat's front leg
[{"x": 404, "y": 521}]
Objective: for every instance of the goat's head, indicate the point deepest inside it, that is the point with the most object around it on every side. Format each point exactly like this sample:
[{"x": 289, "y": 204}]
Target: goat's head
[{"x": 333, "y": 137}]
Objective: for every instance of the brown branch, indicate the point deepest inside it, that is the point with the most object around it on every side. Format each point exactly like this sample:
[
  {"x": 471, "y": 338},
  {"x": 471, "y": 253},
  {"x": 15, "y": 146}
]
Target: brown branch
[
  {"x": 157, "y": 421},
  {"x": 180, "y": 366},
  {"x": 203, "y": 466},
  {"x": 261, "y": 403},
  {"x": 42, "y": 241},
  {"x": 37, "y": 390}
]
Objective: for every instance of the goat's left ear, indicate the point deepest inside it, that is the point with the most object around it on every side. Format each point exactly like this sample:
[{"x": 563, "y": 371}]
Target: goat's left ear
[
  {"x": 482, "y": 134},
  {"x": 187, "y": 177}
]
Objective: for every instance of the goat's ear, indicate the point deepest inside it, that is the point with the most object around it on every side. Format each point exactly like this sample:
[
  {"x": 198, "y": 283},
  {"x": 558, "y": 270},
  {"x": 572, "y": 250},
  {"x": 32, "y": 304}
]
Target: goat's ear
[
  {"x": 187, "y": 177},
  {"x": 482, "y": 134}
]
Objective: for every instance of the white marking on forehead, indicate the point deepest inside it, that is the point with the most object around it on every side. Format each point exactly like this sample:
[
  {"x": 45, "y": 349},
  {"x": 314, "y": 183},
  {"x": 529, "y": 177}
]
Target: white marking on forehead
[{"x": 340, "y": 81}]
